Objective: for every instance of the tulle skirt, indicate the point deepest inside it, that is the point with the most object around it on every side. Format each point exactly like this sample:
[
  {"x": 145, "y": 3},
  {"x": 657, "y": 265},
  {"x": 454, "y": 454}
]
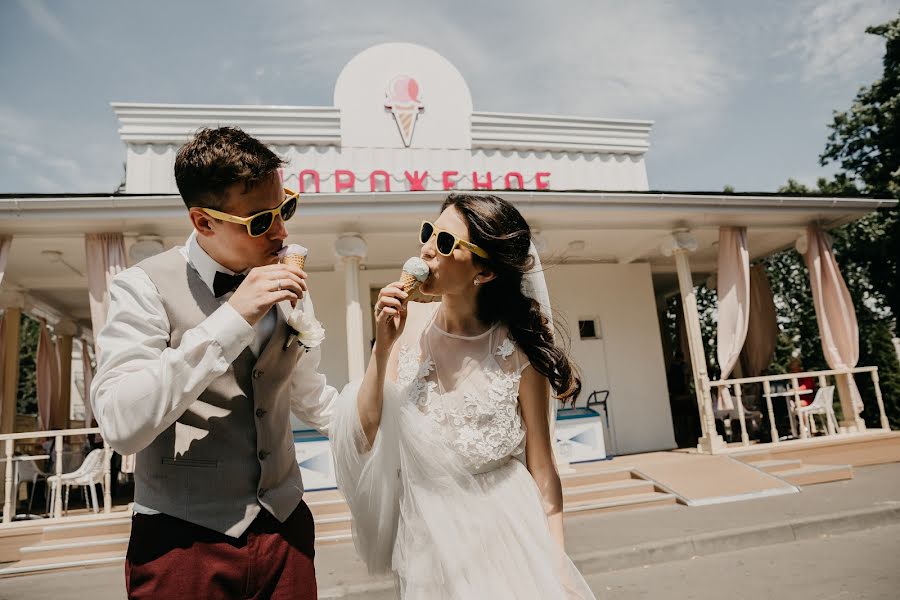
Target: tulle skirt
[{"x": 445, "y": 532}]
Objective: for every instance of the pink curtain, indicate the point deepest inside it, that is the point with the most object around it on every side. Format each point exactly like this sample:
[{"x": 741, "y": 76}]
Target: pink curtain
[
  {"x": 5, "y": 243},
  {"x": 88, "y": 375},
  {"x": 835, "y": 315},
  {"x": 47, "y": 376},
  {"x": 2, "y": 353},
  {"x": 105, "y": 257},
  {"x": 762, "y": 329},
  {"x": 733, "y": 291}
]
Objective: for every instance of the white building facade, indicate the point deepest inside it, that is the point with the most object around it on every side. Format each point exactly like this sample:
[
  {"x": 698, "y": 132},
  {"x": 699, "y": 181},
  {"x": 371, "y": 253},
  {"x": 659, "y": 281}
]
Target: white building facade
[{"x": 401, "y": 134}]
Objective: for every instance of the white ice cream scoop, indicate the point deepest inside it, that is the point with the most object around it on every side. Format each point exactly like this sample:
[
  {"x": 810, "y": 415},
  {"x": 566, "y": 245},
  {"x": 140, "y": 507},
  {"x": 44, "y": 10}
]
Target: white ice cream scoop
[{"x": 415, "y": 272}]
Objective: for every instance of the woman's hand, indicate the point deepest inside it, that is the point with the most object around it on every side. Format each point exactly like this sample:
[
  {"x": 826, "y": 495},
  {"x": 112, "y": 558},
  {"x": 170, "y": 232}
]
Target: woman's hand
[{"x": 390, "y": 316}]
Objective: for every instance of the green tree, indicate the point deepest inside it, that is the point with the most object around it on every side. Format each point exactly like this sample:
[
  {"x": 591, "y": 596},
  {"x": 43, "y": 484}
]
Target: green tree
[
  {"x": 26, "y": 402},
  {"x": 865, "y": 142}
]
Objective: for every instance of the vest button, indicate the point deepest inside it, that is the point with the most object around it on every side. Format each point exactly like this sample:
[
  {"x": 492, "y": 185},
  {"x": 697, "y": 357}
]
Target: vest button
[
  {"x": 262, "y": 492},
  {"x": 260, "y": 412},
  {"x": 263, "y": 454},
  {"x": 257, "y": 373}
]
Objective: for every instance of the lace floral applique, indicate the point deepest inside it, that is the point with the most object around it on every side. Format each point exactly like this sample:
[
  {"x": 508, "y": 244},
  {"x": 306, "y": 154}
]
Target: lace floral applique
[
  {"x": 485, "y": 425},
  {"x": 505, "y": 349},
  {"x": 412, "y": 373},
  {"x": 488, "y": 428}
]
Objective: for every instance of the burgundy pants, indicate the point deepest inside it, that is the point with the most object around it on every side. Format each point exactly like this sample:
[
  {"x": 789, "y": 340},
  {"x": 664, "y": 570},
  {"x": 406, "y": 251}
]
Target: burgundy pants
[{"x": 176, "y": 560}]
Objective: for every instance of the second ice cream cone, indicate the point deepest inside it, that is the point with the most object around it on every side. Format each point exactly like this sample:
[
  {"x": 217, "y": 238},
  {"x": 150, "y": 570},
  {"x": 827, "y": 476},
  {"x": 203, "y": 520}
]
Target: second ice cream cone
[{"x": 409, "y": 282}]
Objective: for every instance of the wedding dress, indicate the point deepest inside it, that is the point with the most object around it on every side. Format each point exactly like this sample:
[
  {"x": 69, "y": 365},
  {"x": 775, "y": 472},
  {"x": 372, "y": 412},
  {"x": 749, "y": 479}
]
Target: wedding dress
[{"x": 443, "y": 497}]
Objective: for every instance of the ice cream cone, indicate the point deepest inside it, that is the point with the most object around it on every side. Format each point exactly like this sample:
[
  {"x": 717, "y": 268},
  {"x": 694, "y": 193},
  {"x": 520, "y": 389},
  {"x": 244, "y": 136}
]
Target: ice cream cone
[
  {"x": 415, "y": 272},
  {"x": 409, "y": 282},
  {"x": 297, "y": 260},
  {"x": 406, "y": 121},
  {"x": 293, "y": 254}
]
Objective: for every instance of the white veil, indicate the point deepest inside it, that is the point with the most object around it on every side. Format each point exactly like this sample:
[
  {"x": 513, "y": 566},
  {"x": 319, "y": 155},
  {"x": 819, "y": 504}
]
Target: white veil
[{"x": 535, "y": 286}]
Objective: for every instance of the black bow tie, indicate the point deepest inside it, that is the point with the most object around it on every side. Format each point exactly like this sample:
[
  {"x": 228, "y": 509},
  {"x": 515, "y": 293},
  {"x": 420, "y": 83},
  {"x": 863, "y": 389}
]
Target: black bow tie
[{"x": 224, "y": 283}]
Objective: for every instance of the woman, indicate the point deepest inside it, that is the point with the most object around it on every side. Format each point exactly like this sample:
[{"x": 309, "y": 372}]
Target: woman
[{"x": 426, "y": 446}]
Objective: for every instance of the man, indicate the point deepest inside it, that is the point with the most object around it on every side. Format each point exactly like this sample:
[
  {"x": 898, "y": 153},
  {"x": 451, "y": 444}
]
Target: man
[{"x": 194, "y": 376}]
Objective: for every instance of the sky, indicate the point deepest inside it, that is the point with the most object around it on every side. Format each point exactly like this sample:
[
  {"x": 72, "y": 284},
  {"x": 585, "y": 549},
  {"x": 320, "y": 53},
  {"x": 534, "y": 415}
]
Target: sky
[{"x": 741, "y": 93}]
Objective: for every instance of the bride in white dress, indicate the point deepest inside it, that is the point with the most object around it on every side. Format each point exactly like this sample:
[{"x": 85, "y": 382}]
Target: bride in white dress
[{"x": 443, "y": 451}]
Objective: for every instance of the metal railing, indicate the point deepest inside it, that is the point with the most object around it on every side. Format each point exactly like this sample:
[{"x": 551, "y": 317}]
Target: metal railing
[
  {"x": 793, "y": 395},
  {"x": 10, "y": 495}
]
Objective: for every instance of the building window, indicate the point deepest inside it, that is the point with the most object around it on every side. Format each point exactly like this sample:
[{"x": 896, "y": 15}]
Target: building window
[{"x": 589, "y": 329}]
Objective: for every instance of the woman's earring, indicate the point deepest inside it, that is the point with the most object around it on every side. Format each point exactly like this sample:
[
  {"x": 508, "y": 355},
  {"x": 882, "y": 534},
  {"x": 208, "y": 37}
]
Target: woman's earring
[{"x": 477, "y": 283}]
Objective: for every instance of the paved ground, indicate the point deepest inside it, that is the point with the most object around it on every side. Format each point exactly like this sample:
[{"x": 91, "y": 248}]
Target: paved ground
[
  {"x": 743, "y": 547},
  {"x": 852, "y": 566}
]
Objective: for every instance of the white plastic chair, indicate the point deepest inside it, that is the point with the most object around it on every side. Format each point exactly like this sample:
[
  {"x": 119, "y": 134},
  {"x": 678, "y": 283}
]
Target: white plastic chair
[
  {"x": 822, "y": 405},
  {"x": 87, "y": 475},
  {"x": 29, "y": 471}
]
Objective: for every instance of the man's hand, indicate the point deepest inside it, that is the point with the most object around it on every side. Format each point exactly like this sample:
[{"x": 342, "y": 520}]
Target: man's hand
[{"x": 266, "y": 286}]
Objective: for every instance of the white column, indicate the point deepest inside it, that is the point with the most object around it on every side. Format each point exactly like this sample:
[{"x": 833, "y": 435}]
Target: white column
[
  {"x": 680, "y": 245},
  {"x": 352, "y": 249}
]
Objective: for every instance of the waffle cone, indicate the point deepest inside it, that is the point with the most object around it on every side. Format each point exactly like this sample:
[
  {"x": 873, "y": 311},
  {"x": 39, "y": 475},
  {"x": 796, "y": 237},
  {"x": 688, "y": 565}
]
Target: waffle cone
[
  {"x": 297, "y": 260},
  {"x": 406, "y": 121},
  {"x": 409, "y": 282}
]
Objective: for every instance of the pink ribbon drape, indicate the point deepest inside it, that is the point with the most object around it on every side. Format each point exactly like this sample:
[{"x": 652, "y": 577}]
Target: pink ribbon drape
[
  {"x": 105, "y": 257},
  {"x": 835, "y": 314},
  {"x": 733, "y": 291},
  {"x": 5, "y": 244},
  {"x": 762, "y": 327},
  {"x": 88, "y": 376},
  {"x": 48, "y": 379},
  {"x": 2, "y": 353}
]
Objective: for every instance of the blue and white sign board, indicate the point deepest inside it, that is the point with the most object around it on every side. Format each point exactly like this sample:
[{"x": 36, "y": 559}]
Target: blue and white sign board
[
  {"x": 579, "y": 435},
  {"x": 313, "y": 452}
]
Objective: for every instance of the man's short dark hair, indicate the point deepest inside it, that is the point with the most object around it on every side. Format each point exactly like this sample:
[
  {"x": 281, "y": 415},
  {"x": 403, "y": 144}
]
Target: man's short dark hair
[{"x": 215, "y": 159}]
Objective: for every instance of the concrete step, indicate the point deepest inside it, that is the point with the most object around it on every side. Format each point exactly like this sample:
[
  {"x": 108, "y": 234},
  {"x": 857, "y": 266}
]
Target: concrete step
[
  {"x": 773, "y": 466},
  {"x": 628, "y": 502},
  {"x": 812, "y": 474},
  {"x": 588, "y": 476},
  {"x": 609, "y": 489},
  {"x": 77, "y": 547},
  {"x": 320, "y": 495},
  {"x": 51, "y": 563},
  {"x": 120, "y": 526},
  {"x": 327, "y": 507},
  {"x": 338, "y": 537},
  {"x": 333, "y": 524}
]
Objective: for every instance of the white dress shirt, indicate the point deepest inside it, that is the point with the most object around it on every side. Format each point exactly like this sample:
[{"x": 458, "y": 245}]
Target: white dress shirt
[{"x": 142, "y": 386}]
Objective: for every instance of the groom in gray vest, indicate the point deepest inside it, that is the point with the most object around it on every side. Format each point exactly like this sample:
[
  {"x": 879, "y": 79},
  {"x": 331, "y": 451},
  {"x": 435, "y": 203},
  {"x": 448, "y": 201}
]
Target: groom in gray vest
[{"x": 195, "y": 376}]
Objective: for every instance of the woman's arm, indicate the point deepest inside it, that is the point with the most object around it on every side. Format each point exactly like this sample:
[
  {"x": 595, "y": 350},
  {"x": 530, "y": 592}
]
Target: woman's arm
[
  {"x": 534, "y": 394},
  {"x": 390, "y": 318}
]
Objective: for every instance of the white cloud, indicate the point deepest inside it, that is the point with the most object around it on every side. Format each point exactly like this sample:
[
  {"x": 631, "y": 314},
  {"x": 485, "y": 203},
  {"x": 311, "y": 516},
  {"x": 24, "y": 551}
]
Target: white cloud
[
  {"x": 593, "y": 58},
  {"x": 44, "y": 19},
  {"x": 38, "y": 156},
  {"x": 828, "y": 36}
]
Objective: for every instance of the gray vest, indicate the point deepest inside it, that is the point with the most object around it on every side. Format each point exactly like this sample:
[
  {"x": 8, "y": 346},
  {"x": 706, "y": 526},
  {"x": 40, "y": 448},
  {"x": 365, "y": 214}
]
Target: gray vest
[{"x": 232, "y": 450}]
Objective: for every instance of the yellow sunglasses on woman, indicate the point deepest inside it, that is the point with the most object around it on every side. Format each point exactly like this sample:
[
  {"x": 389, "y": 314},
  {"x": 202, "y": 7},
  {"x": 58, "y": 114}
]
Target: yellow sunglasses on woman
[
  {"x": 259, "y": 223},
  {"x": 446, "y": 241}
]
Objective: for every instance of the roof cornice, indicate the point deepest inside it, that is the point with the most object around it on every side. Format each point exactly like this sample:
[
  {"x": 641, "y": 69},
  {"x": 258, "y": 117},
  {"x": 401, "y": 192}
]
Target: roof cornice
[{"x": 278, "y": 125}]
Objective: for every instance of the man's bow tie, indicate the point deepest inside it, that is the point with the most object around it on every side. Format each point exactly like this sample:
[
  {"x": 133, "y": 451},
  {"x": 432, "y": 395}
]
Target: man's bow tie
[{"x": 224, "y": 283}]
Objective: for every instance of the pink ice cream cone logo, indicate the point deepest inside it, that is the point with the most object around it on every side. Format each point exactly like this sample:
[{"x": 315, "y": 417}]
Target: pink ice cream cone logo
[{"x": 403, "y": 101}]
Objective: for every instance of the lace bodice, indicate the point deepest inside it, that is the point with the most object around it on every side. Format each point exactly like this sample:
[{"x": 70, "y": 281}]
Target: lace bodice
[{"x": 467, "y": 388}]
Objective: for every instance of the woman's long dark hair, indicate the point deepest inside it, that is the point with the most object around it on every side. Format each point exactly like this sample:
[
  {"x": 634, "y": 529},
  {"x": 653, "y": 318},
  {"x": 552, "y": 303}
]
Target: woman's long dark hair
[{"x": 497, "y": 226}]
